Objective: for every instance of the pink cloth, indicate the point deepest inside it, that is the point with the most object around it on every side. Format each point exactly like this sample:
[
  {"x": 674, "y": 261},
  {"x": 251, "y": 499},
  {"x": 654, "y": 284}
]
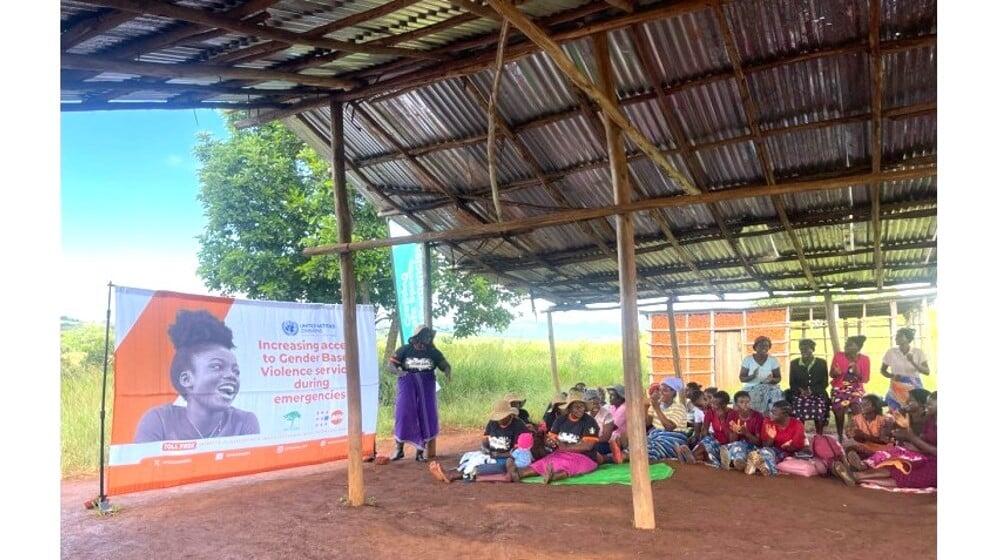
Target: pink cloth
[
  {"x": 618, "y": 416},
  {"x": 567, "y": 461}
]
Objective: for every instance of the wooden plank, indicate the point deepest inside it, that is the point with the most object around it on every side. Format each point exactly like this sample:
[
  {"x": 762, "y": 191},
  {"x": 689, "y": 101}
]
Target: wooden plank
[
  {"x": 355, "y": 476},
  {"x": 831, "y": 321},
  {"x": 209, "y": 19},
  {"x": 673, "y": 337},
  {"x": 186, "y": 70},
  {"x": 570, "y": 216},
  {"x": 627, "y": 6},
  {"x": 643, "y": 515},
  {"x": 875, "y": 189},
  {"x": 553, "y": 366},
  {"x": 91, "y": 27},
  {"x": 361, "y": 17},
  {"x": 69, "y": 107},
  {"x": 606, "y": 101}
]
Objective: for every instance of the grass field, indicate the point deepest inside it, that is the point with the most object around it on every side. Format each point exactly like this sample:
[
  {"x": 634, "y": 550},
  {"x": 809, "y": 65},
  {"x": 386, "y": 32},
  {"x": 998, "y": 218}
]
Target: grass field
[{"x": 484, "y": 369}]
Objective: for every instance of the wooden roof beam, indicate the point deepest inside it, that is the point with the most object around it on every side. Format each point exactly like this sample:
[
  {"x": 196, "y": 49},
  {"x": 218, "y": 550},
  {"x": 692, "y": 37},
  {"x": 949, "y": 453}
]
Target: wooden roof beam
[
  {"x": 575, "y": 215},
  {"x": 875, "y": 66},
  {"x": 92, "y": 26},
  {"x": 203, "y": 17},
  {"x": 70, "y": 107},
  {"x": 753, "y": 121}
]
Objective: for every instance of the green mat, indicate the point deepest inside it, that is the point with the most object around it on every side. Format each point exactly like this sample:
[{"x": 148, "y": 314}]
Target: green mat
[{"x": 610, "y": 474}]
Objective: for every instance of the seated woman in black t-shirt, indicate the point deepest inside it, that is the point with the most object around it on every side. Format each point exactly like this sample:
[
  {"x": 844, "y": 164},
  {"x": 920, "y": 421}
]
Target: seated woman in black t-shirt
[
  {"x": 499, "y": 438},
  {"x": 574, "y": 435}
]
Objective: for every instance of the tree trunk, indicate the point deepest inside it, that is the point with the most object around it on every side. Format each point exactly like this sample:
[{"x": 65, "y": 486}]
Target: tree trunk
[{"x": 390, "y": 341}]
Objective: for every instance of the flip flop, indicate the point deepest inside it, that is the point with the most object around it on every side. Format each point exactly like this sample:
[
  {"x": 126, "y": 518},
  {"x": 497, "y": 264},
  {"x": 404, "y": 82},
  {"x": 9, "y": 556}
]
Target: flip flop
[
  {"x": 843, "y": 472},
  {"x": 855, "y": 462},
  {"x": 437, "y": 472}
]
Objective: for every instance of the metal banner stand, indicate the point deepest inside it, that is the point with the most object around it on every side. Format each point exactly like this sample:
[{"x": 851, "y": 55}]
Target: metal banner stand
[{"x": 101, "y": 503}]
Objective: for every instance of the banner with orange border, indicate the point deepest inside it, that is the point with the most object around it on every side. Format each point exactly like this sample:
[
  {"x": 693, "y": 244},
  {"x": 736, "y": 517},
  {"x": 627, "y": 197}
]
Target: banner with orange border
[{"x": 213, "y": 387}]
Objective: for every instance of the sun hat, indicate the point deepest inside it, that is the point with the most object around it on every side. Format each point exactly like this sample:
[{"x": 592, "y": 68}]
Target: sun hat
[
  {"x": 591, "y": 395},
  {"x": 501, "y": 410},
  {"x": 513, "y": 396},
  {"x": 419, "y": 330},
  {"x": 620, "y": 389},
  {"x": 674, "y": 383},
  {"x": 574, "y": 396},
  {"x": 525, "y": 441},
  {"x": 558, "y": 398}
]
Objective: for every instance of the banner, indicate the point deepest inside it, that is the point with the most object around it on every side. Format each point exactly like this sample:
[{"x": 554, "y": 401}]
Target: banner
[
  {"x": 408, "y": 276},
  {"x": 212, "y": 387}
]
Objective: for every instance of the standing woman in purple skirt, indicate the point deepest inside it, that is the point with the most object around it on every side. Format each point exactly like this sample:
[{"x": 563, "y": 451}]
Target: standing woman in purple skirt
[{"x": 416, "y": 397}]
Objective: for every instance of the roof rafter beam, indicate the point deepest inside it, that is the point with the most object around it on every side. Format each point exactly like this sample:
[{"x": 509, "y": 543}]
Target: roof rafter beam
[
  {"x": 92, "y": 26},
  {"x": 875, "y": 66},
  {"x": 575, "y": 215},
  {"x": 752, "y": 113},
  {"x": 203, "y": 17}
]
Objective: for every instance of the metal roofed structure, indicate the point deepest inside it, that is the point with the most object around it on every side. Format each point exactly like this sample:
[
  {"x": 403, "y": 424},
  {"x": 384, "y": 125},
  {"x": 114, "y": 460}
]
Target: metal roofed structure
[{"x": 779, "y": 146}]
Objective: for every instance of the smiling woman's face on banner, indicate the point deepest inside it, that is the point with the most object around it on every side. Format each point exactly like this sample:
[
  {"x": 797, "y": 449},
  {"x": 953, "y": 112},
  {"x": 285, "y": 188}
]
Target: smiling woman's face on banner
[{"x": 213, "y": 379}]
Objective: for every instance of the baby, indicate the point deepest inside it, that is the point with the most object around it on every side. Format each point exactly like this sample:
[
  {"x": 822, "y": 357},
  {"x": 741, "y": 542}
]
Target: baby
[{"x": 522, "y": 452}]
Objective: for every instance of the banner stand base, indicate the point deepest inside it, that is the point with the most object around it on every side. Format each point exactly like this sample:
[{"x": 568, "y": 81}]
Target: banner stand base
[{"x": 102, "y": 505}]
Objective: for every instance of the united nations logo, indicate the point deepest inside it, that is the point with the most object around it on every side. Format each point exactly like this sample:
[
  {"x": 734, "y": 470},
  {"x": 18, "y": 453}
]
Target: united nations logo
[{"x": 291, "y": 328}]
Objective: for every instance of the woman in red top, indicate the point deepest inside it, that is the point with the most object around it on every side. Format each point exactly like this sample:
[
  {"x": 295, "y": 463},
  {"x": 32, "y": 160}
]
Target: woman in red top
[
  {"x": 782, "y": 435},
  {"x": 743, "y": 433},
  {"x": 849, "y": 372},
  {"x": 714, "y": 433}
]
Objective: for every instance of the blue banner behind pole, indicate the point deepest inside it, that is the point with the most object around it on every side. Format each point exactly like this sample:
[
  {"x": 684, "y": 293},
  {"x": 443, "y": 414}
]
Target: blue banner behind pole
[{"x": 408, "y": 277}]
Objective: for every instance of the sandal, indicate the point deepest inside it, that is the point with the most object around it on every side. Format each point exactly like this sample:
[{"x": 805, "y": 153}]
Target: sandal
[
  {"x": 724, "y": 458},
  {"x": 855, "y": 462},
  {"x": 843, "y": 472},
  {"x": 438, "y": 472}
]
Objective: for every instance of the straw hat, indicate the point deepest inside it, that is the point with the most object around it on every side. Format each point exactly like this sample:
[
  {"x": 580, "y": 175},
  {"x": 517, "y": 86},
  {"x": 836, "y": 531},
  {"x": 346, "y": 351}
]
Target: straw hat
[
  {"x": 558, "y": 399},
  {"x": 419, "y": 330},
  {"x": 574, "y": 396},
  {"x": 512, "y": 396},
  {"x": 501, "y": 410}
]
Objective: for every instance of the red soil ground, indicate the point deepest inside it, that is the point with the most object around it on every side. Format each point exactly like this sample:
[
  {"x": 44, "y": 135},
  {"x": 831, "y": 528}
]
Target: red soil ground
[{"x": 701, "y": 513}]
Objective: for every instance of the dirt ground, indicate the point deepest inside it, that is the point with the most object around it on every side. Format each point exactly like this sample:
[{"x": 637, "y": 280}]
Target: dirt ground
[{"x": 700, "y": 513}]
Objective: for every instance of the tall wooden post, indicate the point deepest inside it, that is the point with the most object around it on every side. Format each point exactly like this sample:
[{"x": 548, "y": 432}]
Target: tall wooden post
[
  {"x": 355, "y": 477},
  {"x": 831, "y": 321},
  {"x": 642, "y": 491},
  {"x": 552, "y": 354},
  {"x": 429, "y": 320},
  {"x": 893, "y": 310},
  {"x": 674, "y": 348}
]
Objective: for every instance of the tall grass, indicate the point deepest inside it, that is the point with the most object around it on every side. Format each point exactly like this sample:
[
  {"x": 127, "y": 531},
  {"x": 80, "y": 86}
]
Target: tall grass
[{"x": 483, "y": 370}]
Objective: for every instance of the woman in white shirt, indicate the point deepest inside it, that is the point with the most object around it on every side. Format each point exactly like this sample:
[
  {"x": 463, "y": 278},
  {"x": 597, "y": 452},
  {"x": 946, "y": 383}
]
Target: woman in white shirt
[
  {"x": 760, "y": 374},
  {"x": 904, "y": 365}
]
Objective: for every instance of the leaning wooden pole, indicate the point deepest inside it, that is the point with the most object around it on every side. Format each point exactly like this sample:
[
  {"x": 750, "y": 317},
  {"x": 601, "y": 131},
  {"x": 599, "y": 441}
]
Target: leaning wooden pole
[
  {"x": 831, "y": 321},
  {"x": 429, "y": 320},
  {"x": 355, "y": 477},
  {"x": 674, "y": 347},
  {"x": 642, "y": 490},
  {"x": 553, "y": 365}
]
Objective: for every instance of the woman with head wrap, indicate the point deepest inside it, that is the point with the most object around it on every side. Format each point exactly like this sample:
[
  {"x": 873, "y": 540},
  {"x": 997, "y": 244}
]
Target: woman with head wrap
[
  {"x": 808, "y": 379},
  {"x": 904, "y": 365},
  {"x": 760, "y": 374},
  {"x": 206, "y": 376},
  {"x": 416, "y": 392},
  {"x": 849, "y": 371}
]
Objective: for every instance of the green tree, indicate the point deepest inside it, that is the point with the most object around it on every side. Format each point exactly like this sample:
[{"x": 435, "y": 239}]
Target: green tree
[{"x": 267, "y": 195}]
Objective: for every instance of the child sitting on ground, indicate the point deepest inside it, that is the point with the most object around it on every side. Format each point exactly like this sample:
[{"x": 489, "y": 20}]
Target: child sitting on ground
[{"x": 521, "y": 455}]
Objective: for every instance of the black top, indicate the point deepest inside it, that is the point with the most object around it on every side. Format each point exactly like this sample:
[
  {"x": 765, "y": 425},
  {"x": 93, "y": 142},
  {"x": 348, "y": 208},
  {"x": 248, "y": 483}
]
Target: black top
[
  {"x": 501, "y": 439},
  {"x": 816, "y": 377},
  {"x": 550, "y": 416},
  {"x": 569, "y": 432},
  {"x": 523, "y": 415},
  {"x": 412, "y": 360}
]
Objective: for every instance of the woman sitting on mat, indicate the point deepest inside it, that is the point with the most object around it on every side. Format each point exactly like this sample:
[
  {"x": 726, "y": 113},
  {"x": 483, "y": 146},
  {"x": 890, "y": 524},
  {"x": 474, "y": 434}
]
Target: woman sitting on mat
[
  {"x": 781, "y": 435},
  {"x": 743, "y": 432},
  {"x": 849, "y": 371},
  {"x": 912, "y": 463},
  {"x": 499, "y": 437},
  {"x": 872, "y": 430},
  {"x": 914, "y": 412},
  {"x": 517, "y": 401},
  {"x": 713, "y": 433},
  {"x": 760, "y": 374},
  {"x": 904, "y": 365},
  {"x": 808, "y": 379},
  {"x": 668, "y": 438},
  {"x": 605, "y": 422},
  {"x": 574, "y": 435}
]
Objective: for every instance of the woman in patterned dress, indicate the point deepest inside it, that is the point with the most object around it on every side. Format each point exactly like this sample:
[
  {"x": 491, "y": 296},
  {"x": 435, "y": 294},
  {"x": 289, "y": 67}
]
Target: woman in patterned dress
[
  {"x": 849, "y": 372},
  {"x": 808, "y": 380}
]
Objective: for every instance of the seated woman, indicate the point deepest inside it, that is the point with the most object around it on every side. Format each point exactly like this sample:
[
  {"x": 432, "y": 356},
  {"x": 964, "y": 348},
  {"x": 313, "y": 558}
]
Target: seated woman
[
  {"x": 574, "y": 435},
  {"x": 517, "y": 401},
  {"x": 605, "y": 422},
  {"x": 668, "y": 437},
  {"x": 743, "y": 432},
  {"x": 760, "y": 374},
  {"x": 913, "y": 414},
  {"x": 781, "y": 436},
  {"x": 912, "y": 463},
  {"x": 554, "y": 410},
  {"x": 499, "y": 437},
  {"x": 872, "y": 431},
  {"x": 713, "y": 433},
  {"x": 697, "y": 404}
]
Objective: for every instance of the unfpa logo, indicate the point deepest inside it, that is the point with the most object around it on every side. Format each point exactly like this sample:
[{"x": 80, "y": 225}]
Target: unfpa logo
[{"x": 291, "y": 328}]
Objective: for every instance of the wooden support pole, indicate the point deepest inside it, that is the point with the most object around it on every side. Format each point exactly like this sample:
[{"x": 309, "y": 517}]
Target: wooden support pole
[
  {"x": 429, "y": 320},
  {"x": 553, "y": 366},
  {"x": 355, "y": 477},
  {"x": 673, "y": 338},
  {"x": 642, "y": 491},
  {"x": 893, "y": 313},
  {"x": 831, "y": 321}
]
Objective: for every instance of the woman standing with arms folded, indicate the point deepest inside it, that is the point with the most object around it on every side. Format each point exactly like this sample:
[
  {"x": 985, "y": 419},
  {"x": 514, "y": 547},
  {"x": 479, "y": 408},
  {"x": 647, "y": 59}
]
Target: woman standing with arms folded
[
  {"x": 849, "y": 372},
  {"x": 416, "y": 391},
  {"x": 904, "y": 365},
  {"x": 808, "y": 380}
]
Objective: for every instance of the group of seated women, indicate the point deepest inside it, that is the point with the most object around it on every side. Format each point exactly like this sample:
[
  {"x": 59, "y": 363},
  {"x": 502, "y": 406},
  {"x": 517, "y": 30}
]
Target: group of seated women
[{"x": 754, "y": 431}]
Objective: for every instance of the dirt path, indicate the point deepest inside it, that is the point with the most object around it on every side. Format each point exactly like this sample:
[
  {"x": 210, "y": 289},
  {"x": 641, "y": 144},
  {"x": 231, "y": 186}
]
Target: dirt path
[{"x": 700, "y": 513}]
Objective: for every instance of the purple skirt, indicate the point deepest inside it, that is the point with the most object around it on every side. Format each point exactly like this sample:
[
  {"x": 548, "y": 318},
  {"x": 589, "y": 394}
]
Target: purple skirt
[
  {"x": 416, "y": 408},
  {"x": 566, "y": 461}
]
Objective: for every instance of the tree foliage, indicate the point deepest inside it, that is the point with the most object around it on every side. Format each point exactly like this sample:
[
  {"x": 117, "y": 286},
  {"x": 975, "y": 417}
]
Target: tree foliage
[{"x": 267, "y": 195}]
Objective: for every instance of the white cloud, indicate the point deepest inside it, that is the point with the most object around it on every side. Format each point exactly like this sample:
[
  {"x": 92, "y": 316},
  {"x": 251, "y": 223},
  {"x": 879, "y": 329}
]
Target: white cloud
[{"x": 174, "y": 160}]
